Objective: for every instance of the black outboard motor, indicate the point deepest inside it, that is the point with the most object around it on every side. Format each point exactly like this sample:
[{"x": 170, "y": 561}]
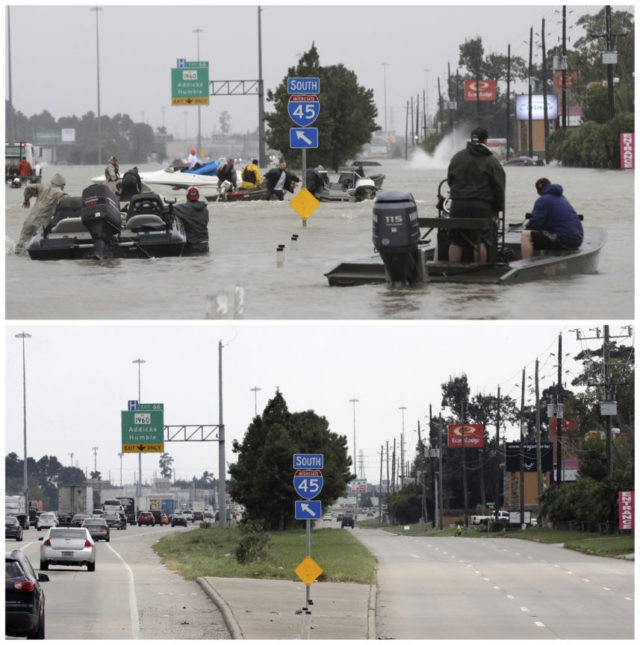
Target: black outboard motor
[
  {"x": 396, "y": 233},
  {"x": 102, "y": 218}
]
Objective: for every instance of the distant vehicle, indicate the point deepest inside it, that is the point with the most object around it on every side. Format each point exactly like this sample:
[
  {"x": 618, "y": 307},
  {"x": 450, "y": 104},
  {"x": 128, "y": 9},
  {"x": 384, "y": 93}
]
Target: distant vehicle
[
  {"x": 46, "y": 520},
  {"x": 158, "y": 517},
  {"x": 16, "y": 506},
  {"x": 78, "y": 518},
  {"x": 98, "y": 528},
  {"x": 523, "y": 161},
  {"x": 189, "y": 514},
  {"x": 198, "y": 516},
  {"x": 14, "y": 153},
  {"x": 178, "y": 519},
  {"x": 68, "y": 547},
  {"x": 146, "y": 518},
  {"x": 115, "y": 520},
  {"x": 339, "y": 517},
  {"x": 348, "y": 520},
  {"x": 72, "y": 499},
  {"x": 112, "y": 505},
  {"x": 23, "y": 597},
  {"x": 12, "y": 529},
  {"x": 129, "y": 505}
]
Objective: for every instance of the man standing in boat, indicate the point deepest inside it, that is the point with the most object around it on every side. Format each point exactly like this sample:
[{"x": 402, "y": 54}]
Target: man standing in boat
[
  {"x": 48, "y": 197},
  {"x": 227, "y": 173},
  {"x": 554, "y": 223},
  {"x": 278, "y": 180},
  {"x": 112, "y": 174},
  {"x": 477, "y": 187}
]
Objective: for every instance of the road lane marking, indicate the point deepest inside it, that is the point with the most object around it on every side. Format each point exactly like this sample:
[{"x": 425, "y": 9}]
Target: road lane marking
[
  {"x": 524, "y": 609},
  {"x": 537, "y": 623},
  {"x": 133, "y": 603}
]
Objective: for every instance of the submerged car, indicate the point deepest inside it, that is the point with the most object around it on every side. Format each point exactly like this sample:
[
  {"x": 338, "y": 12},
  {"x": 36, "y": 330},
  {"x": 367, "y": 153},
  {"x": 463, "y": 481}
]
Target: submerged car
[
  {"x": 12, "y": 528},
  {"x": 24, "y": 597},
  {"x": 98, "y": 528},
  {"x": 72, "y": 546}
]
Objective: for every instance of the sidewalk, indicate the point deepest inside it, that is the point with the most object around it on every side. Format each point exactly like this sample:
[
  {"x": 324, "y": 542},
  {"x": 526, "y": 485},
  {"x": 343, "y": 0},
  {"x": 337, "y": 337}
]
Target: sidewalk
[{"x": 273, "y": 609}]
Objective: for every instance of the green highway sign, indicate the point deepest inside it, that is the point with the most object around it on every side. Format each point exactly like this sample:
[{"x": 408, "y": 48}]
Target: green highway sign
[
  {"x": 143, "y": 430},
  {"x": 190, "y": 83}
]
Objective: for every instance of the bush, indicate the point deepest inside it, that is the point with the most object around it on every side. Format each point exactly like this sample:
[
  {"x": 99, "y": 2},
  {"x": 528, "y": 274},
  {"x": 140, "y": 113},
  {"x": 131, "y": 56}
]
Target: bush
[{"x": 254, "y": 543}]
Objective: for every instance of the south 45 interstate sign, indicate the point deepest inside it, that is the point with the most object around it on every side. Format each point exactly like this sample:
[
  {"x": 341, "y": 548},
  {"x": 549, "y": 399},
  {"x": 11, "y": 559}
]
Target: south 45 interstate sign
[{"x": 308, "y": 483}]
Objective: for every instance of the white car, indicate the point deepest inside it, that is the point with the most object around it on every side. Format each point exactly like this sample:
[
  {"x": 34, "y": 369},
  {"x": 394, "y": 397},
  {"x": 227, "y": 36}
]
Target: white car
[
  {"x": 46, "y": 520},
  {"x": 72, "y": 546}
]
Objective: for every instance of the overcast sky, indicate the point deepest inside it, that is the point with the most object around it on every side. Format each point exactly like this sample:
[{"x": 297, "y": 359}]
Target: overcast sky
[
  {"x": 407, "y": 48},
  {"x": 79, "y": 378}
]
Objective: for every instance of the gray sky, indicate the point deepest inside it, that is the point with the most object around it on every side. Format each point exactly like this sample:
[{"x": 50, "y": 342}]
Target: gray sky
[
  {"x": 55, "y": 67},
  {"x": 79, "y": 378}
]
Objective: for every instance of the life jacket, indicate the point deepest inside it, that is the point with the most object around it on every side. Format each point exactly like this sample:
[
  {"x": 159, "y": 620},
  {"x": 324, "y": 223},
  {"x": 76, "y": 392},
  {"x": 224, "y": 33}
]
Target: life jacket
[{"x": 248, "y": 175}]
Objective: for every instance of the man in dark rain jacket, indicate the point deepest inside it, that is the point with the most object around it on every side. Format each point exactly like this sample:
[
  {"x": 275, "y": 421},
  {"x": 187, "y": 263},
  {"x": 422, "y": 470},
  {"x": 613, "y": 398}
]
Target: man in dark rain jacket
[
  {"x": 477, "y": 187},
  {"x": 194, "y": 216}
]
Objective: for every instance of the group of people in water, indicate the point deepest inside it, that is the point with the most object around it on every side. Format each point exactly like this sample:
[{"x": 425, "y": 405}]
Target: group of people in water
[{"x": 476, "y": 181}]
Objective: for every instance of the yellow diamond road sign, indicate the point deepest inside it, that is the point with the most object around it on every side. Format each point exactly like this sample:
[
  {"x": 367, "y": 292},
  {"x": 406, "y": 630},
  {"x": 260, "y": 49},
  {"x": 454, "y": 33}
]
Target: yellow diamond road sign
[
  {"x": 304, "y": 203},
  {"x": 308, "y": 570}
]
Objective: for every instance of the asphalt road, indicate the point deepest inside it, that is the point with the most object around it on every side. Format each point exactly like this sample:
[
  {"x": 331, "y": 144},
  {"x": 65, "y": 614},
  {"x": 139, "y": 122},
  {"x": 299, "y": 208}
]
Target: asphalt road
[
  {"x": 458, "y": 588},
  {"x": 130, "y": 595}
]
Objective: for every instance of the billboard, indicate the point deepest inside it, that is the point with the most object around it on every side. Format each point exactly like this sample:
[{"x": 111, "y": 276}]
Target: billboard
[
  {"x": 481, "y": 90},
  {"x": 473, "y": 435},
  {"x": 529, "y": 463},
  {"x": 537, "y": 107}
]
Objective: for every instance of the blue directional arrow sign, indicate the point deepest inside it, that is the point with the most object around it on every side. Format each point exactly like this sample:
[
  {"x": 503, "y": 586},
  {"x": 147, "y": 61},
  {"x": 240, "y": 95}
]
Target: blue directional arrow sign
[
  {"x": 304, "y": 109},
  {"x": 308, "y": 483},
  {"x": 308, "y": 510},
  {"x": 303, "y": 137}
]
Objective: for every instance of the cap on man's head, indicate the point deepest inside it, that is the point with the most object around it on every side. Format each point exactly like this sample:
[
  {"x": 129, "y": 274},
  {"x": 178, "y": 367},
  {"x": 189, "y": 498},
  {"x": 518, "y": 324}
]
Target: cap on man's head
[
  {"x": 479, "y": 135},
  {"x": 193, "y": 194},
  {"x": 542, "y": 183}
]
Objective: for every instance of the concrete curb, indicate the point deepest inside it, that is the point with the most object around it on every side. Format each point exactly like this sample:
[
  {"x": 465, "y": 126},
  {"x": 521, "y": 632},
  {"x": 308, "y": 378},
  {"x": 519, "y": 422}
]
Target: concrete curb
[
  {"x": 371, "y": 613},
  {"x": 227, "y": 614}
]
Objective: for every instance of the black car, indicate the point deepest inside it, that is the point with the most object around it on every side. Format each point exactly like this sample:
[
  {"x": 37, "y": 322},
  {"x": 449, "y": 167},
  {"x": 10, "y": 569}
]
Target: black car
[
  {"x": 24, "y": 597},
  {"x": 348, "y": 520},
  {"x": 12, "y": 529}
]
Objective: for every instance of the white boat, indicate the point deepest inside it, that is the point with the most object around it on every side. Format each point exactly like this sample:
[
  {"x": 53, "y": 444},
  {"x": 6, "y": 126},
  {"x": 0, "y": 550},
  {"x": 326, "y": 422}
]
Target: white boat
[{"x": 176, "y": 176}]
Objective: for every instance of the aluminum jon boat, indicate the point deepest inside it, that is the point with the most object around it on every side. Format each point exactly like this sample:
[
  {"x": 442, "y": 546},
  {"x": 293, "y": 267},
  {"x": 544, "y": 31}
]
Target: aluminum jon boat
[{"x": 412, "y": 250}]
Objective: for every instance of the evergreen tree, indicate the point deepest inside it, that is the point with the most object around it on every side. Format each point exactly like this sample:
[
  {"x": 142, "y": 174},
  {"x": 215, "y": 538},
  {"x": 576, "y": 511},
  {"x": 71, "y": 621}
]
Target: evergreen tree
[
  {"x": 262, "y": 478},
  {"x": 346, "y": 119}
]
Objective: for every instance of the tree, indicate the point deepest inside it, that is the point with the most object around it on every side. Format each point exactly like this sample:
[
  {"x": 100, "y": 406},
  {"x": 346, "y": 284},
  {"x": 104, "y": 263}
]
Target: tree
[
  {"x": 261, "y": 479},
  {"x": 347, "y": 115},
  {"x": 166, "y": 465}
]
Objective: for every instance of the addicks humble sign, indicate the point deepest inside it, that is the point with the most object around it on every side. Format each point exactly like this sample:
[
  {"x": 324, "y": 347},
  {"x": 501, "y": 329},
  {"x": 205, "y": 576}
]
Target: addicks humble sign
[{"x": 473, "y": 435}]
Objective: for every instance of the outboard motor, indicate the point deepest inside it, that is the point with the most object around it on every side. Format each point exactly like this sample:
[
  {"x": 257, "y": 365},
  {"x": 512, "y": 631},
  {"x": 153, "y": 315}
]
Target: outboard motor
[
  {"x": 101, "y": 216},
  {"x": 396, "y": 234}
]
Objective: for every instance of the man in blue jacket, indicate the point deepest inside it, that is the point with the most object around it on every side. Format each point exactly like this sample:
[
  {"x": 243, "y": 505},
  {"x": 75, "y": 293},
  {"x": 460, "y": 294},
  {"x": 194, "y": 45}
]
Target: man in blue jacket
[{"x": 554, "y": 223}]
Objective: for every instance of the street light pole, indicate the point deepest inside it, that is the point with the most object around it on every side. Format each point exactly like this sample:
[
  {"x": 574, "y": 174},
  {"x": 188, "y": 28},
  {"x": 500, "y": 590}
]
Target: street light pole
[
  {"x": 402, "y": 408},
  {"x": 97, "y": 10},
  {"x": 120, "y": 454},
  {"x": 255, "y": 391},
  {"x": 355, "y": 467},
  {"x": 262, "y": 156},
  {"x": 139, "y": 362},
  {"x": 25, "y": 473},
  {"x": 384, "y": 67}
]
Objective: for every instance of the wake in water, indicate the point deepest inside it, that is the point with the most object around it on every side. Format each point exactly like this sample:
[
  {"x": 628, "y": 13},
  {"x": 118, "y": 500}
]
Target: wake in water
[{"x": 452, "y": 142}]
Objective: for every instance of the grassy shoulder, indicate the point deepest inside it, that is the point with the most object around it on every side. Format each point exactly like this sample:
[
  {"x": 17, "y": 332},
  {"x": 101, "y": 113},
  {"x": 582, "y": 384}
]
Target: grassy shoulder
[
  {"x": 211, "y": 552},
  {"x": 590, "y": 543}
]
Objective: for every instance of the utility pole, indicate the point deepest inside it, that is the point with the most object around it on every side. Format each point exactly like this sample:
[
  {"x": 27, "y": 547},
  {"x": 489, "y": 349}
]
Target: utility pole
[
  {"x": 262, "y": 157},
  {"x": 559, "y": 414},
  {"x": 508, "y": 104},
  {"x": 608, "y": 406},
  {"x": 498, "y": 455},
  {"x": 222, "y": 466},
  {"x": 139, "y": 362},
  {"x": 538, "y": 446},
  {"x": 544, "y": 97},
  {"x": 355, "y": 468},
  {"x": 463, "y": 420},
  {"x": 564, "y": 66},
  {"x": 530, "y": 93},
  {"x": 522, "y": 450}
]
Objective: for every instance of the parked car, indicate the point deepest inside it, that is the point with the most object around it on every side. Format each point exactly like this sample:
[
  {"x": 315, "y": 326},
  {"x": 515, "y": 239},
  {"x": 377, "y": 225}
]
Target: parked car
[
  {"x": 78, "y": 518},
  {"x": 71, "y": 546},
  {"x": 23, "y": 597},
  {"x": 179, "y": 519},
  {"x": 12, "y": 528},
  {"x": 146, "y": 518},
  {"x": 98, "y": 528},
  {"x": 348, "y": 520},
  {"x": 46, "y": 520}
]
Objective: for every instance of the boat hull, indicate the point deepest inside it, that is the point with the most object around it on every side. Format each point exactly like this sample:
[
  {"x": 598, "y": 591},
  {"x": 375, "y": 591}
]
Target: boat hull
[{"x": 585, "y": 260}]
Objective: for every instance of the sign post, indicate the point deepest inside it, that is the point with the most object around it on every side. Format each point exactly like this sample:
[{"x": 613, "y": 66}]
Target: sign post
[
  {"x": 304, "y": 108},
  {"x": 308, "y": 481}
]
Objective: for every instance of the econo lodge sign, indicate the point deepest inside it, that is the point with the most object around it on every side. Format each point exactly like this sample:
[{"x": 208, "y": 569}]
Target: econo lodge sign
[{"x": 473, "y": 435}]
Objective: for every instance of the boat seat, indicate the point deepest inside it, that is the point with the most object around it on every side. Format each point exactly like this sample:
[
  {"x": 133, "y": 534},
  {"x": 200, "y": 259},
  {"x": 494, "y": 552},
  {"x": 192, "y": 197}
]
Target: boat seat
[
  {"x": 145, "y": 203},
  {"x": 145, "y": 220},
  {"x": 69, "y": 225}
]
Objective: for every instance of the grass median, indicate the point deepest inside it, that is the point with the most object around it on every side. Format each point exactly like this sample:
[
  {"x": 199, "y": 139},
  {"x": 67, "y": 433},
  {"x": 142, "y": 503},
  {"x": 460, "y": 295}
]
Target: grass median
[{"x": 212, "y": 552}]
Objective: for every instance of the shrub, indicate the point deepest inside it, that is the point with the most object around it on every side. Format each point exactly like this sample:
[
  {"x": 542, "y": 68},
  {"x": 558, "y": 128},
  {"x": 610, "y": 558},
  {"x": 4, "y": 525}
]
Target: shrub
[{"x": 254, "y": 543}]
